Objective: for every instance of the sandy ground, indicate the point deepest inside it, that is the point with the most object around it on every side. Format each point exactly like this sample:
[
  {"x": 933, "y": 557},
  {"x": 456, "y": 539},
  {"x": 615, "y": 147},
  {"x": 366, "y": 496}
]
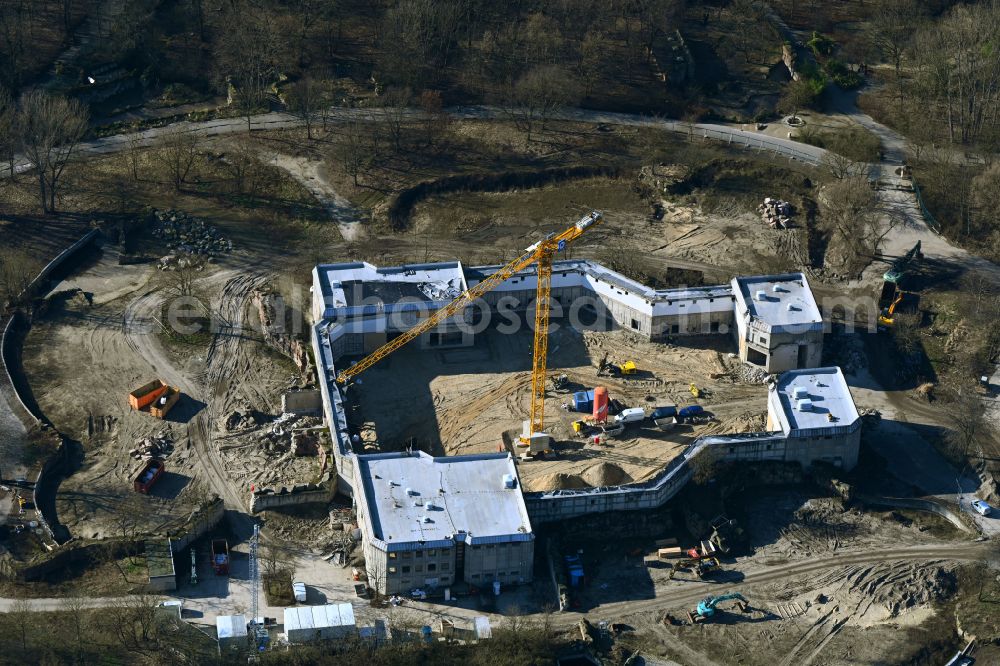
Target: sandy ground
[
  {"x": 100, "y": 339},
  {"x": 309, "y": 174},
  {"x": 465, "y": 400}
]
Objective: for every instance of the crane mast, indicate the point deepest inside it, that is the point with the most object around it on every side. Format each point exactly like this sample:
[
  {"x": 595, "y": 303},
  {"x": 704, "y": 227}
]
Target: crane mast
[{"x": 542, "y": 253}]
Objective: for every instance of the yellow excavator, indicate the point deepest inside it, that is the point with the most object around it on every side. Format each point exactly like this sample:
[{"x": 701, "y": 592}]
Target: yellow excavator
[{"x": 541, "y": 253}]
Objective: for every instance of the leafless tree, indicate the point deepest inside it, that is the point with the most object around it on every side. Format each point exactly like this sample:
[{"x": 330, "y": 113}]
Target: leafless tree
[
  {"x": 248, "y": 54},
  {"x": 534, "y": 97},
  {"x": 353, "y": 149},
  {"x": 50, "y": 128},
  {"x": 305, "y": 99},
  {"x": 858, "y": 218},
  {"x": 21, "y": 616},
  {"x": 891, "y": 30},
  {"x": 797, "y": 96},
  {"x": 133, "y": 150},
  {"x": 8, "y": 130},
  {"x": 177, "y": 151},
  {"x": 242, "y": 162},
  {"x": 396, "y": 102},
  {"x": 967, "y": 418},
  {"x": 76, "y": 609},
  {"x": 842, "y": 167}
]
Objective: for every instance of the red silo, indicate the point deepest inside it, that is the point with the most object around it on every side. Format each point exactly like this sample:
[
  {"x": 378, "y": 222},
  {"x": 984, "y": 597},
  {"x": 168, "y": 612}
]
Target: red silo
[{"x": 600, "y": 404}]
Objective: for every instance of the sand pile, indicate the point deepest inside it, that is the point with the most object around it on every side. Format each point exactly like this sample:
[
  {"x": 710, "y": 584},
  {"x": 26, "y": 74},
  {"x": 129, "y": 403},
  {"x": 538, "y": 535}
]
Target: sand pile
[
  {"x": 558, "y": 481},
  {"x": 605, "y": 474}
]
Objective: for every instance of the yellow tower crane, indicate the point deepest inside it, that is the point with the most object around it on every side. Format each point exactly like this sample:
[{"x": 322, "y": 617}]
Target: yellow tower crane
[{"x": 541, "y": 253}]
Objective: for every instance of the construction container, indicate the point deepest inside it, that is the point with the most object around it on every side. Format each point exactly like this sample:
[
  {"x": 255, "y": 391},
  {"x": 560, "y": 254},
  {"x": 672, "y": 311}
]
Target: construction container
[
  {"x": 148, "y": 475},
  {"x": 220, "y": 557},
  {"x": 146, "y": 394},
  {"x": 669, "y": 553},
  {"x": 583, "y": 401},
  {"x": 600, "y": 404},
  {"x": 165, "y": 402}
]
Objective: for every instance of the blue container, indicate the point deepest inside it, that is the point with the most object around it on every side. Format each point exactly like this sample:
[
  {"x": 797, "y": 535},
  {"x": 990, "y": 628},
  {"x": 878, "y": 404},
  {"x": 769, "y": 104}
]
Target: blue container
[
  {"x": 425, "y": 631},
  {"x": 690, "y": 410},
  {"x": 583, "y": 401}
]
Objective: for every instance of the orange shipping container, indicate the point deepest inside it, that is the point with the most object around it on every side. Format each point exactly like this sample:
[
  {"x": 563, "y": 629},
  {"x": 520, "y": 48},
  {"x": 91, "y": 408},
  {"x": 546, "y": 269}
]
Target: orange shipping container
[
  {"x": 600, "y": 404},
  {"x": 146, "y": 394},
  {"x": 165, "y": 402}
]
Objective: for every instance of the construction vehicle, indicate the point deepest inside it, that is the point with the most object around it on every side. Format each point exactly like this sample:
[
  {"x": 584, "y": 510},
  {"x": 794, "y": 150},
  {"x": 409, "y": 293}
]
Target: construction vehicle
[
  {"x": 900, "y": 265},
  {"x": 541, "y": 254},
  {"x": 707, "y": 607},
  {"x": 622, "y": 369},
  {"x": 695, "y": 391},
  {"x": 560, "y": 383},
  {"x": 901, "y": 300},
  {"x": 148, "y": 475},
  {"x": 220, "y": 557}
]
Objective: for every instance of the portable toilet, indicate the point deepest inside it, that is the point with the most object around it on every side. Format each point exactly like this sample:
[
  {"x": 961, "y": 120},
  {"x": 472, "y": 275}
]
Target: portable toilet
[{"x": 600, "y": 404}]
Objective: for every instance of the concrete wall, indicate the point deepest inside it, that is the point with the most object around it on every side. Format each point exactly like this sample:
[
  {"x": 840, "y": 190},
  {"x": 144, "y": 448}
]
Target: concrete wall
[
  {"x": 509, "y": 563},
  {"x": 202, "y": 520},
  {"x": 311, "y": 493}
]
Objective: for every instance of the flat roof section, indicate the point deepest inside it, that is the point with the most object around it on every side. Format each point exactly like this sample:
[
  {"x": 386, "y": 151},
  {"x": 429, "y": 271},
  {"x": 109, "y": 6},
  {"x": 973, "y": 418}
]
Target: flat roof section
[
  {"x": 829, "y": 401},
  {"x": 436, "y": 501},
  {"x": 778, "y": 300},
  {"x": 159, "y": 558},
  {"x": 360, "y": 283}
]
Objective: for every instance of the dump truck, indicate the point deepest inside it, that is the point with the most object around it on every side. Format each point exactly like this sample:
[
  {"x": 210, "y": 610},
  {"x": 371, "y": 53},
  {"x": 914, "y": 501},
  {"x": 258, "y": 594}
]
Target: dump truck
[
  {"x": 220, "y": 557},
  {"x": 144, "y": 396},
  {"x": 148, "y": 476},
  {"x": 165, "y": 402}
]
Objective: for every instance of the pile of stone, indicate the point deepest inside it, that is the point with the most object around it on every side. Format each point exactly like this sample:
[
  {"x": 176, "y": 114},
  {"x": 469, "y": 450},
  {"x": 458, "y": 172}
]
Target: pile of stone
[
  {"x": 750, "y": 374},
  {"x": 152, "y": 447},
  {"x": 188, "y": 235},
  {"x": 776, "y": 213}
]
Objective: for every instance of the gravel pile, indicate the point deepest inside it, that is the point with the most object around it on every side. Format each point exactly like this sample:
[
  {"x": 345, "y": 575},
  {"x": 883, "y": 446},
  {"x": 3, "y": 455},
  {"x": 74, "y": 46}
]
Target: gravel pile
[
  {"x": 152, "y": 447},
  {"x": 186, "y": 234},
  {"x": 749, "y": 374}
]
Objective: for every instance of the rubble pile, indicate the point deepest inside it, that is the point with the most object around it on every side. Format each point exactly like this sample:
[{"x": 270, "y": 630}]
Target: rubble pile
[
  {"x": 750, "y": 374},
  {"x": 278, "y": 439},
  {"x": 270, "y": 309},
  {"x": 187, "y": 235},
  {"x": 776, "y": 213},
  {"x": 152, "y": 447}
]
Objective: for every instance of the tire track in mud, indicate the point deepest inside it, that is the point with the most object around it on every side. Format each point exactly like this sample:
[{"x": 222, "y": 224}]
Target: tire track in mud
[{"x": 692, "y": 593}]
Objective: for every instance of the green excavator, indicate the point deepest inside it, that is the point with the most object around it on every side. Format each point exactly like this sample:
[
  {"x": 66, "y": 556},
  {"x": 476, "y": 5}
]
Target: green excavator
[{"x": 707, "y": 606}]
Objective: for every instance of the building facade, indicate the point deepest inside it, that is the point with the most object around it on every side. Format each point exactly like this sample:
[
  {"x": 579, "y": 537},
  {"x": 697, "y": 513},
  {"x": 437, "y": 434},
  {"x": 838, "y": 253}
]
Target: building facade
[{"x": 778, "y": 325}]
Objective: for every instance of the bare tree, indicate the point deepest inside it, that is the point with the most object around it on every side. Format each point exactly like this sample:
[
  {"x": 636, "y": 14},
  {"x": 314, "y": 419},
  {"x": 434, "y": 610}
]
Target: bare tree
[
  {"x": 21, "y": 618},
  {"x": 534, "y": 97},
  {"x": 353, "y": 149},
  {"x": 842, "y": 167},
  {"x": 177, "y": 151},
  {"x": 397, "y": 102},
  {"x": 858, "y": 218},
  {"x": 890, "y": 31},
  {"x": 50, "y": 128},
  {"x": 76, "y": 609},
  {"x": 133, "y": 150},
  {"x": 305, "y": 99},
  {"x": 248, "y": 53},
  {"x": 242, "y": 163},
  {"x": 8, "y": 130}
]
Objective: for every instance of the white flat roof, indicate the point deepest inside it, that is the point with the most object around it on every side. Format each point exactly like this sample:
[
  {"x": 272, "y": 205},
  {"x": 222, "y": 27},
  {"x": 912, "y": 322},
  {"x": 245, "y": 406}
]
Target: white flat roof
[
  {"x": 319, "y": 617},
  {"x": 414, "y": 501},
  {"x": 831, "y": 403},
  {"x": 360, "y": 283},
  {"x": 787, "y": 299},
  {"x": 231, "y": 626}
]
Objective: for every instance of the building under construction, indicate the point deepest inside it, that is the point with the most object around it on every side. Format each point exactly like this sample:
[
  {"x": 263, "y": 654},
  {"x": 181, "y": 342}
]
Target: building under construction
[{"x": 774, "y": 319}]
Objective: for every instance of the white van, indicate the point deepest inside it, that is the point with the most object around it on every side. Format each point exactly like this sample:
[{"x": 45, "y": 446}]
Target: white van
[{"x": 633, "y": 415}]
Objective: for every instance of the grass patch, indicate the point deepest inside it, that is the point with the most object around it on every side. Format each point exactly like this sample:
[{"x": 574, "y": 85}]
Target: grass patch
[{"x": 856, "y": 143}]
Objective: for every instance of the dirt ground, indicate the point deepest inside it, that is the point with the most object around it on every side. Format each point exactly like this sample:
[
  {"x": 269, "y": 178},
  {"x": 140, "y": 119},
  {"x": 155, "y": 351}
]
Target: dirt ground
[
  {"x": 466, "y": 400},
  {"x": 101, "y": 338},
  {"x": 854, "y": 613}
]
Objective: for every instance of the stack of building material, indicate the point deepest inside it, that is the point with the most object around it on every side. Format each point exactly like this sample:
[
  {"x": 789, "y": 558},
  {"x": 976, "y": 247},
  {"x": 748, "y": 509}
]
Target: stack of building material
[{"x": 776, "y": 213}]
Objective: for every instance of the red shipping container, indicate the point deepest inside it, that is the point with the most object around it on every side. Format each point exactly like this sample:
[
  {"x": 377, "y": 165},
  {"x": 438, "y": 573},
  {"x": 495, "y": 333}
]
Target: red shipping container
[{"x": 600, "y": 404}]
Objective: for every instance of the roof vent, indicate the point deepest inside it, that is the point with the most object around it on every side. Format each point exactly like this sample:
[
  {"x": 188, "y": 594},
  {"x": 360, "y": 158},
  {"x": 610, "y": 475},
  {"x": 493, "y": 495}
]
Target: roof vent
[
  {"x": 411, "y": 491},
  {"x": 426, "y": 519},
  {"x": 800, "y": 392},
  {"x": 791, "y": 308},
  {"x": 777, "y": 288},
  {"x": 392, "y": 483},
  {"x": 804, "y": 405},
  {"x": 416, "y": 503},
  {"x": 760, "y": 295},
  {"x": 431, "y": 506},
  {"x": 508, "y": 480}
]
